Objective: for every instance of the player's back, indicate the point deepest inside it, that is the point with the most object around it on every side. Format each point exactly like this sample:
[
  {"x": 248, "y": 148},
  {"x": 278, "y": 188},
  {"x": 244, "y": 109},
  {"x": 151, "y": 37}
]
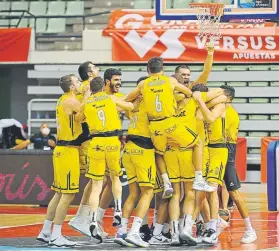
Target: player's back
[
  {"x": 158, "y": 97},
  {"x": 101, "y": 114},
  {"x": 67, "y": 128}
]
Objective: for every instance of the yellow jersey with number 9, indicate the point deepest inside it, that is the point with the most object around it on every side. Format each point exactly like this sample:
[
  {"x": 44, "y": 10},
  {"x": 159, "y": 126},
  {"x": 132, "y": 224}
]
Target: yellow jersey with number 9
[
  {"x": 101, "y": 114},
  {"x": 139, "y": 124},
  {"x": 67, "y": 128},
  {"x": 158, "y": 97}
]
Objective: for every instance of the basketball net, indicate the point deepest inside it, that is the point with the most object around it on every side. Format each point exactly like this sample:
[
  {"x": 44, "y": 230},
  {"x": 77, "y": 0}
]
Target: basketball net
[{"x": 209, "y": 16}]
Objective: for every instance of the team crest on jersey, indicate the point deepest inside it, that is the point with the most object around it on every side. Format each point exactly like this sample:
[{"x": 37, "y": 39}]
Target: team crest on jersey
[
  {"x": 157, "y": 133},
  {"x": 98, "y": 148},
  {"x": 58, "y": 154}
]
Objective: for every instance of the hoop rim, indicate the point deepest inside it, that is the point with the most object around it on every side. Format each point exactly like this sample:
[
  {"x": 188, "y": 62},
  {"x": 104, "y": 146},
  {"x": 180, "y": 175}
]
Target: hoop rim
[{"x": 215, "y": 9}]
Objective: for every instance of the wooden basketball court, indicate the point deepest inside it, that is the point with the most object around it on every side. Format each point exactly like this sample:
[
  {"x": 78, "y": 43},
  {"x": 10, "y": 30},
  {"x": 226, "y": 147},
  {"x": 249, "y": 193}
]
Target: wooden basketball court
[{"x": 19, "y": 225}]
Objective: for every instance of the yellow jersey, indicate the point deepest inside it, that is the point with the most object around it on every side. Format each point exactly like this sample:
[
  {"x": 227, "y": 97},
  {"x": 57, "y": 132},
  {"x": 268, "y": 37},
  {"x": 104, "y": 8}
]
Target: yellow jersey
[
  {"x": 186, "y": 111},
  {"x": 119, "y": 94},
  {"x": 232, "y": 124},
  {"x": 67, "y": 128},
  {"x": 138, "y": 130},
  {"x": 83, "y": 84},
  {"x": 216, "y": 132},
  {"x": 101, "y": 114},
  {"x": 158, "y": 96}
]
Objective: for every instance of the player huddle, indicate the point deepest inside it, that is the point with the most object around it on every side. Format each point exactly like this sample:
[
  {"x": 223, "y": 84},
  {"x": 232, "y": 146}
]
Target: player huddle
[{"x": 180, "y": 146}]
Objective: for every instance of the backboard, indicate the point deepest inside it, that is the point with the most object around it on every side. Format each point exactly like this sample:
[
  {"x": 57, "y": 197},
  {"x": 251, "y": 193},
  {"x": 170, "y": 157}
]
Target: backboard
[{"x": 234, "y": 9}]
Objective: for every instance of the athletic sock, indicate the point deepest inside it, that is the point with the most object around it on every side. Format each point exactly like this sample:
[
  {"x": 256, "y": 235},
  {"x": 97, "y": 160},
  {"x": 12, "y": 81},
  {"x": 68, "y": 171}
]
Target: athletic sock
[
  {"x": 124, "y": 226},
  {"x": 56, "y": 232},
  {"x": 166, "y": 228},
  {"x": 198, "y": 176},
  {"x": 47, "y": 227},
  {"x": 248, "y": 224},
  {"x": 155, "y": 217},
  {"x": 136, "y": 225},
  {"x": 207, "y": 225},
  {"x": 117, "y": 203},
  {"x": 83, "y": 210},
  {"x": 181, "y": 223},
  {"x": 165, "y": 178},
  {"x": 174, "y": 227},
  {"x": 93, "y": 217},
  {"x": 213, "y": 224},
  {"x": 100, "y": 214},
  {"x": 158, "y": 229}
]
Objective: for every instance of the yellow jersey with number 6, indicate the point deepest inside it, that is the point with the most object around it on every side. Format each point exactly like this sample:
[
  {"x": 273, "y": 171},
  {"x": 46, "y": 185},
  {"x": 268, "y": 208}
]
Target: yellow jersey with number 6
[
  {"x": 158, "y": 97},
  {"x": 101, "y": 114},
  {"x": 67, "y": 128}
]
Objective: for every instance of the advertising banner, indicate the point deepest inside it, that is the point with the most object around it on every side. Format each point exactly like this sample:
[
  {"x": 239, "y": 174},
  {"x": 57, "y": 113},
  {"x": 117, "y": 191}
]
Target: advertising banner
[
  {"x": 137, "y": 36},
  {"x": 14, "y": 44}
]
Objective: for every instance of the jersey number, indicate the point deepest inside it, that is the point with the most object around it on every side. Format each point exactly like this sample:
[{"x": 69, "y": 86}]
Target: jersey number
[
  {"x": 102, "y": 117},
  {"x": 158, "y": 104}
]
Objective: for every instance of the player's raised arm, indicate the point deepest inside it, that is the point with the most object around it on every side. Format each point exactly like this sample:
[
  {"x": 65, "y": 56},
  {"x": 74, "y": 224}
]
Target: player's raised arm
[
  {"x": 135, "y": 93},
  {"x": 180, "y": 87},
  {"x": 123, "y": 105},
  {"x": 202, "y": 79},
  {"x": 218, "y": 100},
  {"x": 209, "y": 116}
]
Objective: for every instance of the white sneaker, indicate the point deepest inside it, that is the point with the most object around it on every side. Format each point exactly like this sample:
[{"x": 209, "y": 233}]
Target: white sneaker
[
  {"x": 117, "y": 219},
  {"x": 203, "y": 186},
  {"x": 210, "y": 237},
  {"x": 175, "y": 240},
  {"x": 121, "y": 240},
  {"x": 61, "y": 241},
  {"x": 103, "y": 234},
  {"x": 159, "y": 240},
  {"x": 249, "y": 237},
  {"x": 221, "y": 226},
  {"x": 81, "y": 224},
  {"x": 95, "y": 233},
  {"x": 168, "y": 191},
  {"x": 134, "y": 238},
  {"x": 186, "y": 235},
  {"x": 43, "y": 237}
]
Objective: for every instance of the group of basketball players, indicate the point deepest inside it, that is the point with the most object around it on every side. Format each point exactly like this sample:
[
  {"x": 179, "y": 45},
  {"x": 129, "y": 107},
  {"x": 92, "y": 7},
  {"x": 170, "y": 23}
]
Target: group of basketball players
[{"x": 180, "y": 146}]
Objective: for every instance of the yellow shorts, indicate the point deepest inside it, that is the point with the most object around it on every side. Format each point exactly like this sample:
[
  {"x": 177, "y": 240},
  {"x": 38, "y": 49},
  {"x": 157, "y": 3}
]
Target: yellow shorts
[
  {"x": 83, "y": 156},
  {"x": 66, "y": 169},
  {"x": 139, "y": 164},
  {"x": 104, "y": 152},
  {"x": 179, "y": 163},
  {"x": 217, "y": 164},
  {"x": 205, "y": 165},
  {"x": 171, "y": 129}
]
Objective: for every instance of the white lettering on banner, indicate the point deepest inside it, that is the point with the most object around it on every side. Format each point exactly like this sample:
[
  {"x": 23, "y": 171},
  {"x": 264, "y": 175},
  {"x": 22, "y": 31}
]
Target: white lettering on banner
[
  {"x": 141, "y": 45},
  {"x": 134, "y": 25},
  {"x": 170, "y": 39},
  {"x": 266, "y": 56}
]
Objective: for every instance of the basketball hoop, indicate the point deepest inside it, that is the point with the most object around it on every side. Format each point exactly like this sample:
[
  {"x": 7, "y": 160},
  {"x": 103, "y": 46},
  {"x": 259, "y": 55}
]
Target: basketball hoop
[{"x": 209, "y": 15}]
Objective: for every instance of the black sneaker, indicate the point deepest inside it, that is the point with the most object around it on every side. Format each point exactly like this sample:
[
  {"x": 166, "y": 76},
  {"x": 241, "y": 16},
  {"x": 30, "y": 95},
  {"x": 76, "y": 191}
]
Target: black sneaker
[
  {"x": 167, "y": 235},
  {"x": 145, "y": 233}
]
